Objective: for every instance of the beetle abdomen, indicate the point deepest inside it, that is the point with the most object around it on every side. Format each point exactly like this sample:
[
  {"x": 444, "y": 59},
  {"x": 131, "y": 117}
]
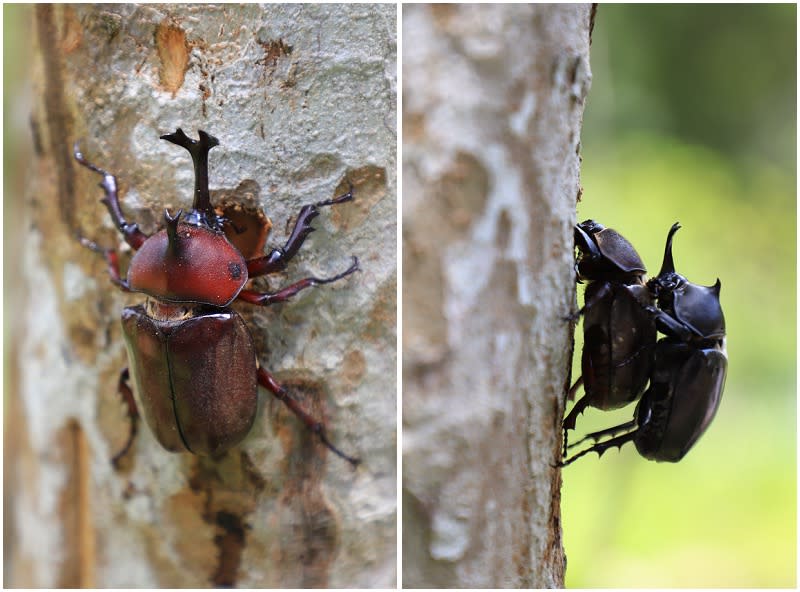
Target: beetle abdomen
[
  {"x": 682, "y": 400},
  {"x": 195, "y": 378}
]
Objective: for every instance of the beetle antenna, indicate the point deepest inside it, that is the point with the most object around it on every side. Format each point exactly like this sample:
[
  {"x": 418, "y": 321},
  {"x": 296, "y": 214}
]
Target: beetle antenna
[
  {"x": 199, "y": 150},
  {"x": 668, "y": 266}
]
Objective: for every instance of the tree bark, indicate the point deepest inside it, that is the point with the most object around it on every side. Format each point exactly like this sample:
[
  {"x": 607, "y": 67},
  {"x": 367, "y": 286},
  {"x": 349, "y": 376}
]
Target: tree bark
[
  {"x": 303, "y": 99},
  {"x": 493, "y": 98}
]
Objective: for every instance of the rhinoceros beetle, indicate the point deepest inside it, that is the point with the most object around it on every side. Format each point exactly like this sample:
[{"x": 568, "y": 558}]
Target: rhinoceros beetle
[
  {"x": 619, "y": 332},
  {"x": 688, "y": 370},
  {"x": 192, "y": 359}
]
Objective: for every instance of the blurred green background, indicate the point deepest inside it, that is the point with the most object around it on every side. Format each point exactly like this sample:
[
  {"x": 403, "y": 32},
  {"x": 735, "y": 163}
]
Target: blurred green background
[{"x": 692, "y": 118}]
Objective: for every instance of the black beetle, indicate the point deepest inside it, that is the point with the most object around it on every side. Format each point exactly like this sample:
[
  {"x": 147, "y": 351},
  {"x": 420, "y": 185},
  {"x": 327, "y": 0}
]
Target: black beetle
[
  {"x": 192, "y": 358},
  {"x": 688, "y": 370},
  {"x": 618, "y": 330}
]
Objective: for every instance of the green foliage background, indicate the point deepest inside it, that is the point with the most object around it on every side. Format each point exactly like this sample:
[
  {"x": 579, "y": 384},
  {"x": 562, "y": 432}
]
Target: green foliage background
[{"x": 692, "y": 118}]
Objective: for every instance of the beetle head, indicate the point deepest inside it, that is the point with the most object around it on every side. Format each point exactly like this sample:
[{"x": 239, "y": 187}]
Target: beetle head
[
  {"x": 606, "y": 255},
  {"x": 696, "y": 307}
]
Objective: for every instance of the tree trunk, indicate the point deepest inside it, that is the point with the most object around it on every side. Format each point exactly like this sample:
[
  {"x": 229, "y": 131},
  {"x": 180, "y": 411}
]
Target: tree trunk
[
  {"x": 303, "y": 99},
  {"x": 493, "y": 100}
]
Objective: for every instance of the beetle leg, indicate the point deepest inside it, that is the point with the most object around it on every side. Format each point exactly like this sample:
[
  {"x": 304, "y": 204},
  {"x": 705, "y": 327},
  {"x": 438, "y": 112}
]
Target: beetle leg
[
  {"x": 601, "y": 293},
  {"x": 124, "y": 389},
  {"x": 265, "y": 298},
  {"x": 607, "y": 432},
  {"x": 133, "y": 236},
  {"x": 112, "y": 260},
  {"x": 670, "y": 326},
  {"x": 600, "y": 447},
  {"x": 266, "y": 380},
  {"x": 577, "y": 409},
  {"x": 574, "y": 389},
  {"x": 280, "y": 257}
]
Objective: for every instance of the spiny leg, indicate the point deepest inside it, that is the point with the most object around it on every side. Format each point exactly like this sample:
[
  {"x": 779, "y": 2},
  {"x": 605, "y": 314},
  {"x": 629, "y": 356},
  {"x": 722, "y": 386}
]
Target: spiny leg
[
  {"x": 571, "y": 418},
  {"x": 278, "y": 258},
  {"x": 607, "y": 432},
  {"x": 265, "y": 298},
  {"x": 266, "y": 380},
  {"x": 133, "y": 236},
  {"x": 124, "y": 389},
  {"x": 601, "y": 447}
]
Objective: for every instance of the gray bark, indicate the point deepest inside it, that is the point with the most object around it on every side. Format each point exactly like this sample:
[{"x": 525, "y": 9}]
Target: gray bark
[
  {"x": 492, "y": 108},
  {"x": 302, "y": 97}
]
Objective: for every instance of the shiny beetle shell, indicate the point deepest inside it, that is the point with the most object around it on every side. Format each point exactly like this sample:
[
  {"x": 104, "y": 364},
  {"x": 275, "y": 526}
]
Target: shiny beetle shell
[
  {"x": 195, "y": 378},
  {"x": 618, "y": 337},
  {"x": 683, "y": 397},
  {"x": 697, "y": 308},
  {"x": 200, "y": 266},
  {"x": 606, "y": 254}
]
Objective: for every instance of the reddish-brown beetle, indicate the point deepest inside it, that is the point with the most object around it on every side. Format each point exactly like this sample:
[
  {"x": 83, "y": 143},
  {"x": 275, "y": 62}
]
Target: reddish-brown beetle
[{"x": 192, "y": 359}]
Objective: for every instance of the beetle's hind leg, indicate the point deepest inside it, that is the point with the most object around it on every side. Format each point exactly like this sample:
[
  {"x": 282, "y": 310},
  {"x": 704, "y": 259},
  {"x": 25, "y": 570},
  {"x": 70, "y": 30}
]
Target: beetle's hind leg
[
  {"x": 124, "y": 389},
  {"x": 282, "y": 295},
  {"x": 601, "y": 447},
  {"x": 266, "y": 380},
  {"x": 625, "y": 427},
  {"x": 133, "y": 236},
  {"x": 278, "y": 258}
]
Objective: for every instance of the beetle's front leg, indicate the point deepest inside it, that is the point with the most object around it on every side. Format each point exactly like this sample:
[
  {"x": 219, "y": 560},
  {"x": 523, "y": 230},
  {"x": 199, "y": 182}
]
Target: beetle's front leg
[
  {"x": 578, "y": 408},
  {"x": 266, "y": 380},
  {"x": 593, "y": 298},
  {"x": 265, "y": 298},
  {"x": 112, "y": 260},
  {"x": 669, "y": 325},
  {"x": 124, "y": 389},
  {"x": 280, "y": 257},
  {"x": 133, "y": 236}
]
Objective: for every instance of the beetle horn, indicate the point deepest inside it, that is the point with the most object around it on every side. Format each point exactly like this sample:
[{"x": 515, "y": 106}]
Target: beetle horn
[
  {"x": 199, "y": 151},
  {"x": 668, "y": 266},
  {"x": 171, "y": 223}
]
